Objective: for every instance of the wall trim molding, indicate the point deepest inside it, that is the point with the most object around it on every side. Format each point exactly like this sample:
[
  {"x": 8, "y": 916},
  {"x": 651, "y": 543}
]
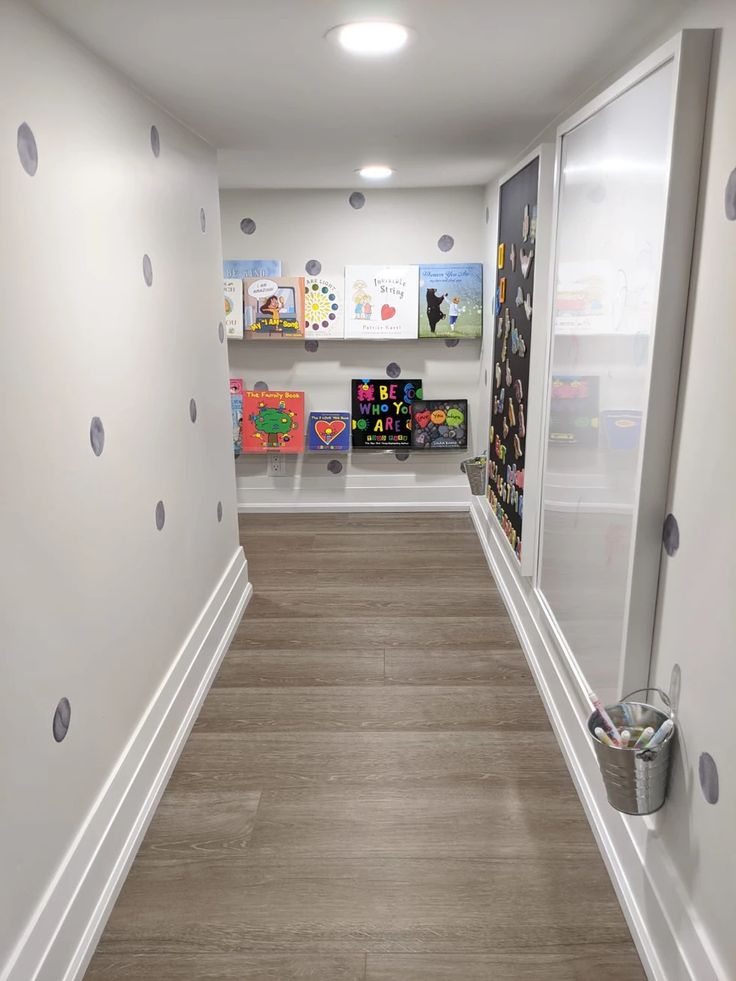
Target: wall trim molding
[
  {"x": 344, "y": 507},
  {"x": 345, "y": 495},
  {"x": 664, "y": 925},
  {"x": 59, "y": 941}
]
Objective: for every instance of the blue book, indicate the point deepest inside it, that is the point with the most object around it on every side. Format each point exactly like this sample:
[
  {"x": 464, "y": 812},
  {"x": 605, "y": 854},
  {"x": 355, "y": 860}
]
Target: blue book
[
  {"x": 251, "y": 268},
  {"x": 329, "y": 431}
]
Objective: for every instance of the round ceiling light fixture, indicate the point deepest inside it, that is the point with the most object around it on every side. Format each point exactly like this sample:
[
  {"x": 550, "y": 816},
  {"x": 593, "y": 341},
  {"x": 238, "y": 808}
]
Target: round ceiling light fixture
[
  {"x": 375, "y": 172},
  {"x": 370, "y": 37}
]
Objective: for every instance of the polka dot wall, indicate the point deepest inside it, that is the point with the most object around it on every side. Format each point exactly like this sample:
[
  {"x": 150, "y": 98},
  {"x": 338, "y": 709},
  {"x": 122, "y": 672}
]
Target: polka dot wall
[{"x": 317, "y": 234}]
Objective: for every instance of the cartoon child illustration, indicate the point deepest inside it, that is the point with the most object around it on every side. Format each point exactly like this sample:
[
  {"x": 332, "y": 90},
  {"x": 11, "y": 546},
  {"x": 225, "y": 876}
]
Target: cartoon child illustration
[
  {"x": 454, "y": 311},
  {"x": 272, "y": 307},
  {"x": 435, "y": 313},
  {"x": 362, "y": 300}
]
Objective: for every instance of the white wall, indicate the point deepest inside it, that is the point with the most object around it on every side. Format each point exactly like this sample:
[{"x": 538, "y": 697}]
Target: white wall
[
  {"x": 676, "y": 870},
  {"x": 394, "y": 226},
  {"x": 97, "y": 605}
]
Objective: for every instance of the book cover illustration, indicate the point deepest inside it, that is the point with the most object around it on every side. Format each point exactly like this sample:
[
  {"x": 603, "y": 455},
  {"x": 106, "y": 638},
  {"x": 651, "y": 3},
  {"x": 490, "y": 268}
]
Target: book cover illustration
[
  {"x": 236, "y": 411},
  {"x": 233, "y": 294},
  {"x": 274, "y": 307},
  {"x": 328, "y": 431},
  {"x": 273, "y": 421},
  {"x": 451, "y": 300},
  {"x": 439, "y": 424},
  {"x": 324, "y": 311},
  {"x": 381, "y": 302},
  {"x": 251, "y": 268},
  {"x": 382, "y": 412}
]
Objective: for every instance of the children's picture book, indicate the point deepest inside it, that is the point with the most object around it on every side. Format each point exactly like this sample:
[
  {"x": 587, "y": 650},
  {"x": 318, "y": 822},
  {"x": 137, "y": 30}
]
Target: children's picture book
[
  {"x": 381, "y": 302},
  {"x": 439, "y": 424},
  {"x": 236, "y": 410},
  {"x": 251, "y": 268},
  {"x": 329, "y": 431},
  {"x": 324, "y": 315},
  {"x": 273, "y": 421},
  {"x": 382, "y": 412},
  {"x": 451, "y": 300},
  {"x": 274, "y": 308},
  {"x": 234, "y": 309}
]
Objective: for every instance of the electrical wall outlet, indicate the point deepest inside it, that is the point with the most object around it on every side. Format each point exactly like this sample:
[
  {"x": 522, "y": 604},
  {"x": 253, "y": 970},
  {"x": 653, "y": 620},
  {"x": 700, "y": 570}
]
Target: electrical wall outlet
[{"x": 276, "y": 464}]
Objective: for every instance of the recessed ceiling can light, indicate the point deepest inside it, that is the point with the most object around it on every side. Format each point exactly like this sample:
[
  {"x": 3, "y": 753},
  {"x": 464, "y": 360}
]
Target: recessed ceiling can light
[
  {"x": 372, "y": 37},
  {"x": 375, "y": 172}
]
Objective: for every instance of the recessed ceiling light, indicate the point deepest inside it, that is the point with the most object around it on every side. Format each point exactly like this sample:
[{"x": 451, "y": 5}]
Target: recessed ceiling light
[
  {"x": 375, "y": 172},
  {"x": 370, "y": 37}
]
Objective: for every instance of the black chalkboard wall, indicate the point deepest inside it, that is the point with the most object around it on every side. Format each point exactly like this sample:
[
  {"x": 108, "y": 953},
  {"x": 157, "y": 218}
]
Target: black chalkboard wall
[{"x": 512, "y": 341}]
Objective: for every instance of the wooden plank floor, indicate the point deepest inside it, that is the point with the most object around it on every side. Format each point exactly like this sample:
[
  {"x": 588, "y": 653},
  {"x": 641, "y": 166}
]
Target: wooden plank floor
[{"x": 372, "y": 791}]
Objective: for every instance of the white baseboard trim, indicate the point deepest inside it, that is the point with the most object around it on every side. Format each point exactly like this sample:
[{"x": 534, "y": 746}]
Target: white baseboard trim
[
  {"x": 61, "y": 938},
  {"x": 344, "y": 507},
  {"x": 668, "y": 935},
  {"x": 355, "y": 496}
]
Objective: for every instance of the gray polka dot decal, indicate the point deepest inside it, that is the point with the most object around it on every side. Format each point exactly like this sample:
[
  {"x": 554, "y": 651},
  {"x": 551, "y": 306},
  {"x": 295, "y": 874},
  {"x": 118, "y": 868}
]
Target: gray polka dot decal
[
  {"x": 488, "y": 214},
  {"x": 260, "y": 386},
  {"x": 708, "y": 776},
  {"x": 27, "y": 149},
  {"x": 155, "y": 141},
  {"x": 357, "y": 200},
  {"x": 731, "y": 196},
  {"x": 402, "y": 456},
  {"x": 219, "y": 510},
  {"x": 445, "y": 243},
  {"x": 62, "y": 718},
  {"x": 147, "y": 270},
  {"x": 393, "y": 370},
  {"x": 452, "y": 341},
  {"x": 313, "y": 267},
  {"x": 202, "y": 220},
  {"x": 670, "y": 535},
  {"x": 311, "y": 346},
  {"x": 97, "y": 435},
  {"x": 247, "y": 226},
  {"x": 160, "y": 515},
  {"x": 334, "y": 466},
  {"x": 193, "y": 410},
  {"x": 221, "y": 331}
]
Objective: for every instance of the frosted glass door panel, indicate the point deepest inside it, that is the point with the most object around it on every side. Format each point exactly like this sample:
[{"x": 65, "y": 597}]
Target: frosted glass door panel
[{"x": 613, "y": 185}]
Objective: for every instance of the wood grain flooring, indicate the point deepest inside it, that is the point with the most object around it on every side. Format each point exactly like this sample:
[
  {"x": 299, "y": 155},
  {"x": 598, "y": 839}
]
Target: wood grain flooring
[{"x": 372, "y": 791}]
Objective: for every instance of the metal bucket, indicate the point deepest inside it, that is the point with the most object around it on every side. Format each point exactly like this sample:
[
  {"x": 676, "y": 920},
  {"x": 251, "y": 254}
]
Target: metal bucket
[
  {"x": 635, "y": 779},
  {"x": 475, "y": 473}
]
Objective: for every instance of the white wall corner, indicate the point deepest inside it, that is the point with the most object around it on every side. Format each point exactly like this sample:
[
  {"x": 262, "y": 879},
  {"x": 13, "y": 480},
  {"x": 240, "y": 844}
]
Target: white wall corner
[{"x": 61, "y": 938}]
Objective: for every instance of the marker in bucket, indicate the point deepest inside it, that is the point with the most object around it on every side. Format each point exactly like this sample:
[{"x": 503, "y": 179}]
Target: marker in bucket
[
  {"x": 661, "y": 734},
  {"x": 644, "y": 738},
  {"x": 605, "y": 718},
  {"x": 603, "y": 736},
  {"x": 625, "y": 738}
]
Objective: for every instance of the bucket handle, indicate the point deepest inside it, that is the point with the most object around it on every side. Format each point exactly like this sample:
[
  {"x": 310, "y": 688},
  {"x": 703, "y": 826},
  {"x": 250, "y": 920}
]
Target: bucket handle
[{"x": 665, "y": 698}]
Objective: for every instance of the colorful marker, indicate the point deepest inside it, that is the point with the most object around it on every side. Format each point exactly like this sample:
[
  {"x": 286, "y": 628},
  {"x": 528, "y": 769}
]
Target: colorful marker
[
  {"x": 644, "y": 738},
  {"x": 605, "y": 717},
  {"x": 625, "y": 737},
  {"x": 603, "y": 736},
  {"x": 661, "y": 734}
]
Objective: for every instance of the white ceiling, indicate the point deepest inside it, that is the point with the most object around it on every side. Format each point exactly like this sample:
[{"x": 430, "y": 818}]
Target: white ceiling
[{"x": 288, "y": 109}]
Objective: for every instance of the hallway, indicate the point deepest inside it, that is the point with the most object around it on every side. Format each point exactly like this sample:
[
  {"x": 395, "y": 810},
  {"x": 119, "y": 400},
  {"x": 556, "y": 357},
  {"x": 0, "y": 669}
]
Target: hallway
[{"x": 372, "y": 791}]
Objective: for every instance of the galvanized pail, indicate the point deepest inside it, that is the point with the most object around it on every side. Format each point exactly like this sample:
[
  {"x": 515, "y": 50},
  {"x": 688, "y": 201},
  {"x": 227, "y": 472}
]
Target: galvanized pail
[
  {"x": 635, "y": 779},
  {"x": 475, "y": 472}
]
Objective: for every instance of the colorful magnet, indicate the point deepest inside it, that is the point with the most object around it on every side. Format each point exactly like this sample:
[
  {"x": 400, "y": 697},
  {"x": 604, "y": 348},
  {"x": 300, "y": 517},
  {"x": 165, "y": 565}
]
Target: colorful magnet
[
  {"x": 498, "y": 376},
  {"x": 504, "y": 345},
  {"x": 500, "y": 327},
  {"x": 519, "y": 479},
  {"x": 512, "y": 257},
  {"x": 525, "y": 258},
  {"x": 512, "y": 414},
  {"x": 517, "y": 446},
  {"x": 519, "y": 296},
  {"x": 502, "y": 289},
  {"x": 509, "y": 376},
  {"x": 521, "y": 505},
  {"x": 525, "y": 224},
  {"x": 533, "y": 224},
  {"x": 505, "y": 427},
  {"x": 501, "y": 255},
  {"x": 498, "y": 302},
  {"x": 522, "y": 423},
  {"x": 528, "y": 306},
  {"x": 518, "y": 388}
]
